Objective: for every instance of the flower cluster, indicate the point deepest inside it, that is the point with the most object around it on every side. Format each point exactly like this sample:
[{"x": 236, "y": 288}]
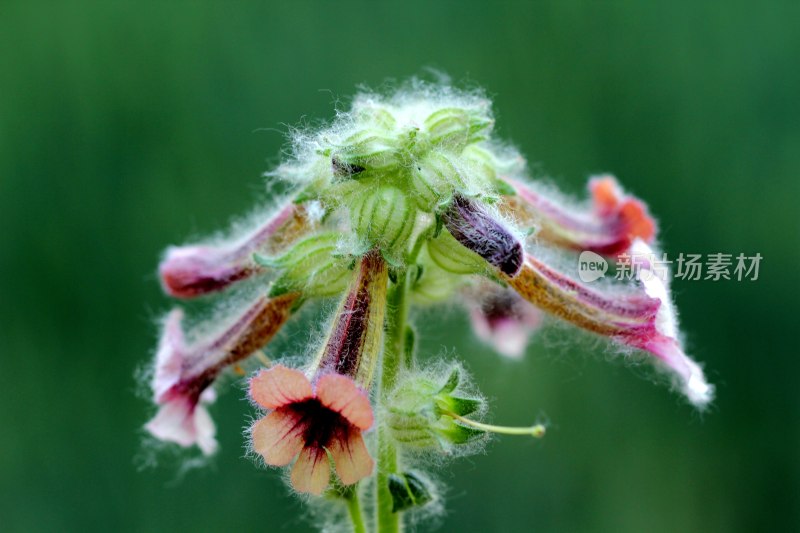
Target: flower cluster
[{"x": 405, "y": 200}]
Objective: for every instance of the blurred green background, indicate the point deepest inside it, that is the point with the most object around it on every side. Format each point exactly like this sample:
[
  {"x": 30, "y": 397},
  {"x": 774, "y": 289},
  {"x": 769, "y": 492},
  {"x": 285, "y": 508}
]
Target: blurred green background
[{"x": 125, "y": 127}]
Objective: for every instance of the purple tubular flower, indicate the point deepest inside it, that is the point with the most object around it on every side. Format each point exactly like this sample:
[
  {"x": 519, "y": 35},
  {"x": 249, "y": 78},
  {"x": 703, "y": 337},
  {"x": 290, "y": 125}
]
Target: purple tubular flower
[
  {"x": 616, "y": 219},
  {"x": 184, "y": 373},
  {"x": 502, "y": 319},
  {"x": 470, "y": 224},
  {"x": 645, "y": 320},
  {"x": 194, "y": 270}
]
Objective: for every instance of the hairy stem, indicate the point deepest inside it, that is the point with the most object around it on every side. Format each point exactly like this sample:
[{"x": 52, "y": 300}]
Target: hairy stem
[
  {"x": 393, "y": 353},
  {"x": 354, "y": 508}
]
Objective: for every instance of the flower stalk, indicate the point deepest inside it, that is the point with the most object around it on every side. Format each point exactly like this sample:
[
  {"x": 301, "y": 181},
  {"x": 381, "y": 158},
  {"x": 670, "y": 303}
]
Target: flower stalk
[{"x": 387, "y": 519}]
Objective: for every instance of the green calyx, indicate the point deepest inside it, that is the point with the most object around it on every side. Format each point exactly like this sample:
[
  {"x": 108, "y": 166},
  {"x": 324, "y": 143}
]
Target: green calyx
[
  {"x": 422, "y": 413},
  {"x": 453, "y": 257},
  {"x": 383, "y": 218},
  {"x": 314, "y": 266},
  {"x": 390, "y": 162}
]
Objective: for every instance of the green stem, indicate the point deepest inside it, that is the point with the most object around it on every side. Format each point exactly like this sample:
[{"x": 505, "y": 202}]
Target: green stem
[
  {"x": 393, "y": 353},
  {"x": 354, "y": 508}
]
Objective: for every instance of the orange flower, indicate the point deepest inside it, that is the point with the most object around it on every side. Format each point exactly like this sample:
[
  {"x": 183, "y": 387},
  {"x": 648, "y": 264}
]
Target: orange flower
[{"x": 312, "y": 423}]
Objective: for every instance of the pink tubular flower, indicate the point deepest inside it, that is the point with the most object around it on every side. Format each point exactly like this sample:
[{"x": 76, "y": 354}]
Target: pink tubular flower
[
  {"x": 327, "y": 413},
  {"x": 184, "y": 373},
  {"x": 609, "y": 229},
  {"x": 309, "y": 422},
  {"x": 503, "y": 320},
  {"x": 644, "y": 319},
  {"x": 190, "y": 271}
]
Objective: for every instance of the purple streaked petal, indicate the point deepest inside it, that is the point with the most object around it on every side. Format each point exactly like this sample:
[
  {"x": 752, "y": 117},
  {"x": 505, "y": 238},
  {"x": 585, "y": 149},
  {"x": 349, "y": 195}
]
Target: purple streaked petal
[
  {"x": 609, "y": 228},
  {"x": 184, "y": 373},
  {"x": 355, "y": 338},
  {"x": 190, "y": 271},
  {"x": 644, "y": 321}
]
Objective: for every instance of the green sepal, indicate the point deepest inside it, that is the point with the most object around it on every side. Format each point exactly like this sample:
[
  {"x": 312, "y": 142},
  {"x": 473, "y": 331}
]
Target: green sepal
[
  {"x": 418, "y": 273},
  {"x": 306, "y": 194},
  {"x": 439, "y": 226},
  {"x": 408, "y": 490},
  {"x": 265, "y": 261},
  {"x": 454, "y": 433},
  {"x": 314, "y": 266},
  {"x": 452, "y": 381},
  {"x": 392, "y": 260},
  {"x": 504, "y": 188},
  {"x": 459, "y": 406},
  {"x": 280, "y": 287}
]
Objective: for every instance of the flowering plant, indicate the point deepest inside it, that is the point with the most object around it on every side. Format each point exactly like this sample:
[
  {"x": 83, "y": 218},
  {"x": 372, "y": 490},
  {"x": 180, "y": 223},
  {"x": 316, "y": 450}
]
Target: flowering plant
[{"x": 406, "y": 200}]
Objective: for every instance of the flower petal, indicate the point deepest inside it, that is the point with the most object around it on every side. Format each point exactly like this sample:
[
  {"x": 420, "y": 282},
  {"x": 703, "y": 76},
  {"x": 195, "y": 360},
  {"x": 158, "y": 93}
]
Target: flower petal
[
  {"x": 340, "y": 394},
  {"x": 171, "y": 355},
  {"x": 502, "y": 319},
  {"x": 631, "y": 213},
  {"x": 190, "y": 271},
  {"x": 312, "y": 472},
  {"x": 351, "y": 458},
  {"x": 184, "y": 423},
  {"x": 609, "y": 228},
  {"x": 645, "y": 321},
  {"x": 205, "y": 430},
  {"x": 666, "y": 345},
  {"x": 280, "y": 386},
  {"x": 278, "y": 437}
]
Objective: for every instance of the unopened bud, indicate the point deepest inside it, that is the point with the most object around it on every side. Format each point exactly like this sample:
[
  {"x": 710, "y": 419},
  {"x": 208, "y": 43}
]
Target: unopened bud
[
  {"x": 422, "y": 413},
  {"x": 383, "y": 218},
  {"x": 314, "y": 266},
  {"x": 477, "y": 230}
]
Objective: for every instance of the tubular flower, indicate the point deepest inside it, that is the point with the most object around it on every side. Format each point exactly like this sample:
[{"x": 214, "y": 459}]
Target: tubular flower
[
  {"x": 184, "y": 373},
  {"x": 308, "y": 423},
  {"x": 642, "y": 319},
  {"x": 310, "y": 418},
  {"x": 608, "y": 228},
  {"x": 502, "y": 319},
  {"x": 194, "y": 270}
]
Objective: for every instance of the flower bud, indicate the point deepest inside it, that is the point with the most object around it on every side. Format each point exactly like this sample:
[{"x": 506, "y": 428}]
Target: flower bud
[
  {"x": 366, "y": 111},
  {"x": 454, "y": 258},
  {"x": 474, "y": 228},
  {"x": 433, "y": 284},
  {"x": 457, "y": 126},
  {"x": 382, "y": 218},
  {"x": 433, "y": 180},
  {"x": 315, "y": 266},
  {"x": 368, "y": 149},
  {"x": 421, "y": 413}
]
